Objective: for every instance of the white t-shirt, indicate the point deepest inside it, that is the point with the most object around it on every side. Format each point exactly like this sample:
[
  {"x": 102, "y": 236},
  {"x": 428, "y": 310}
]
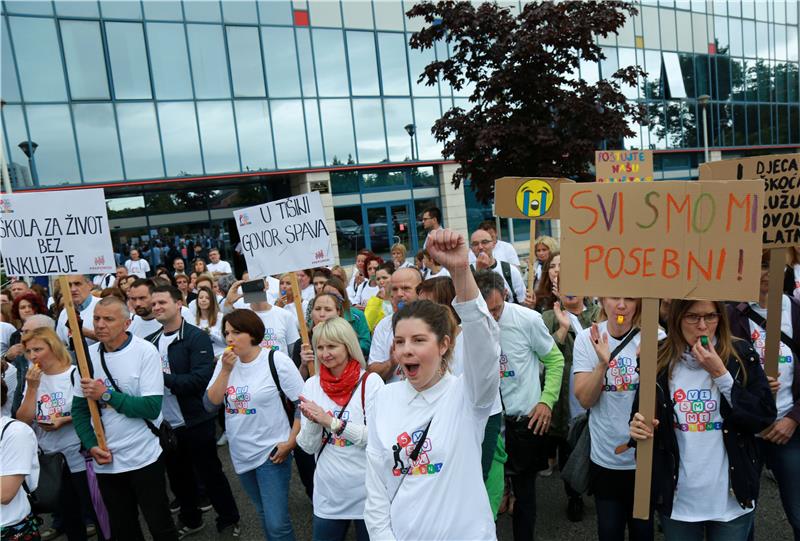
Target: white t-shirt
[
  {"x": 503, "y": 251},
  {"x": 608, "y": 423},
  {"x": 457, "y": 368},
  {"x": 139, "y": 267},
  {"x": 215, "y": 333},
  {"x": 786, "y": 361},
  {"x": 255, "y": 420},
  {"x": 339, "y": 478},
  {"x": 6, "y": 330},
  {"x": 449, "y": 460},
  {"x": 87, "y": 315},
  {"x": 365, "y": 293},
  {"x": 104, "y": 281},
  {"x": 220, "y": 266},
  {"x": 54, "y": 400},
  {"x": 137, "y": 371},
  {"x": 189, "y": 312},
  {"x": 280, "y": 329},
  {"x": 442, "y": 272},
  {"x": 523, "y": 340},
  {"x": 10, "y": 377},
  {"x": 703, "y": 491},
  {"x": 145, "y": 327},
  {"x": 796, "y": 292},
  {"x": 308, "y": 293},
  {"x": 517, "y": 283},
  {"x": 575, "y": 407},
  {"x": 18, "y": 456},
  {"x": 380, "y": 349},
  {"x": 170, "y": 408}
]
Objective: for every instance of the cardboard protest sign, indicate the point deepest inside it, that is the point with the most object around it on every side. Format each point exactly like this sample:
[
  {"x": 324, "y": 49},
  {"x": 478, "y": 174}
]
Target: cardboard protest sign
[
  {"x": 52, "y": 233},
  {"x": 781, "y": 176},
  {"x": 527, "y": 198},
  {"x": 682, "y": 240},
  {"x": 284, "y": 236},
  {"x": 623, "y": 165}
]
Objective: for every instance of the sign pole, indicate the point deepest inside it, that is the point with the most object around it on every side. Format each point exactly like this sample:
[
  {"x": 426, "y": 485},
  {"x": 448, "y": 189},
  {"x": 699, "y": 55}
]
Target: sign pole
[
  {"x": 532, "y": 257},
  {"x": 648, "y": 353},
  {"x": 301, "y": 317},
  {"x": 777, "y": 263},
  {"x": 80, "y": 353}
]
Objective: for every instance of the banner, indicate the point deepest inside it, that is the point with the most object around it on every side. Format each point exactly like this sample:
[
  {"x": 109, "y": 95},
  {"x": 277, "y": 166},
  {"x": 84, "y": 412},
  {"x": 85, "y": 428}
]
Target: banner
[
  {"x": 623, "y": 165},
  {"x": 779, "y": 172},
  {"x": 284, "y": 236},
  {"x": 56, "y": 232},
  {"x": 679, "y": 240}
]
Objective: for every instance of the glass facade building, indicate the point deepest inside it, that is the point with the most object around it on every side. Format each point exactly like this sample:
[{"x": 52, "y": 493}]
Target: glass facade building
[{"x": 186, "y": 110}]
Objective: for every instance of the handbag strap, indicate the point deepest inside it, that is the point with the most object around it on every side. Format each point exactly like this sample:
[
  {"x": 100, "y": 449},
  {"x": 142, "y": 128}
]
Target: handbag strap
[
  {"x": 341, "y": 412},
  {"x": 625, "y": 341},
  {"x": 148, "y": 422},
  {"x": 413, "y": 456},
  {"x": 274, "y": 372},
  {"x": 759, "y": 320}
]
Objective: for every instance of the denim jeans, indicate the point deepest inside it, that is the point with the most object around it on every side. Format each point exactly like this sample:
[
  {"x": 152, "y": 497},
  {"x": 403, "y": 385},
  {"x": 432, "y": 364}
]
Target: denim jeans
[
  {"x": 613, "y": 496},
  {"x": 268, "y": 487},
  {"x": 735, "y": 530},
  {"x": 326, "y": 529},
  {"x": 784, "y": 461}
]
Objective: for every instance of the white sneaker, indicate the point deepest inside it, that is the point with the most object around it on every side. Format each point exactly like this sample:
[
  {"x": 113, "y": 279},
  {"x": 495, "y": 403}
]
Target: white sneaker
[{"x": 223, "y": 440}]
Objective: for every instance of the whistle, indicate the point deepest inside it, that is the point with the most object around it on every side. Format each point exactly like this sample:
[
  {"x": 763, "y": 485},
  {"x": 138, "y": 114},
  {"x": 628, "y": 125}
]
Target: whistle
[
  {"x": 704, "y": 341},
  {"x": 620, "y": 319}
]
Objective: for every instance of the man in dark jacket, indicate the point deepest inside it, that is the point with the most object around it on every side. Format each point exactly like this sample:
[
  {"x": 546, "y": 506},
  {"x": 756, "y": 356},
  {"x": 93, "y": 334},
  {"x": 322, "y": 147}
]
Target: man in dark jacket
[{"x": 187, "y": 359}]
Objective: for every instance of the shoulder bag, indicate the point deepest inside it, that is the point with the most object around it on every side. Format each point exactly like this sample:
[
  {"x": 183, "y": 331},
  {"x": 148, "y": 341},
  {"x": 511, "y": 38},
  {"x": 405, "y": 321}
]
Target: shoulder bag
[{"x": 328, "y": 435}]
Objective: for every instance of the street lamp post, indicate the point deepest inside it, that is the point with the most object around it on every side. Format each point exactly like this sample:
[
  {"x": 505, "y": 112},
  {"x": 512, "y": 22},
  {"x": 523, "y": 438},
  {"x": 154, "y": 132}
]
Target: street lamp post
[
  {"x": 28, "y": 148},
  {"x": 411, "y": 129},
  {"x": 703, "y": 101}
]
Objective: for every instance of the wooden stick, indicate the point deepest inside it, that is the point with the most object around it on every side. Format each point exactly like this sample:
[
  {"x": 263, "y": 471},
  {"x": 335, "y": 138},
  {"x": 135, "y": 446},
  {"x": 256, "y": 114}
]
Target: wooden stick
[
  {"x": 777, "y": 263},
  {"x": 80, "y": 354},
  {"x": 301, "y": 317},
  {"x": 647, "y": 407},
  {"x": 532, "y": 258}
]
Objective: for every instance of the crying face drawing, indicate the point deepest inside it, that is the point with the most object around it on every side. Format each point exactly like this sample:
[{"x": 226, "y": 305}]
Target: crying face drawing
[{"x": 534, "y": 198}]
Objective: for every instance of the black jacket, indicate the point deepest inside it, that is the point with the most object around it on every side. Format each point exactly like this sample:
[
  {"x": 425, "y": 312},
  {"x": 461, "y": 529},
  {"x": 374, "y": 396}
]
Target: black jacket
[
  {"x": 191, "y": 363},
  {"x": 752, "y": 411}
]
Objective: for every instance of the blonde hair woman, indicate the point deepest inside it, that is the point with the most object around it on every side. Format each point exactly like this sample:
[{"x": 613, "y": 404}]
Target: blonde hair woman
[
  {"x": 334, "y": 404},
  {"x": 47, "y": 406}
]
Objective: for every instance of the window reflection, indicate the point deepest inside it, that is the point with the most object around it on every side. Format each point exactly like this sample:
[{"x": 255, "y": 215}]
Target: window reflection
[
  {"x": 337, "y": 130},
  {"x": 175, "y": 201},
  {"x": 244, "y": 51},
  {"x": 9, "y": 75},
  {"x": 344, "y": 182},
  {"x": 139, "y": 136},
  {"x": 324, "y": 13},
  {"x": 128, "y": 61},
  {"x": 357, "y": 14},
  {"x": 398, "y": 114},
  {"x": 426, "y": 112},
  {"x": 749, "y": 35},
  {"x": 314, "y": 133},
  {"x": 29, "y": 7},
  {"x": 179, "y": 139},
  {"x": 423, "y": 177},
  {"x": 419, "y": 60},
  {"x": 255, "y": 136},
  {"x": 125, "y": 206},
  {"x": 388, "y": 15},
  {"x": 280, "y": 58},
  {"x": 241, "y": 11},
  {"x": 290, "y": 143},
  {"x": 97, "y": 141},
  {"x": 121, "y": 9},
  {"x": 650, "y": 27},
  {"x": 167, "y": 10},
  {"x": 18, "y": 166},
  {"x": 220, "y": 154},
  {"x": 209, "y": 65},
  {"x": 330, "y": 62},
  {"x": 86, "y": 65},
  {"x": 369, "y": 130},
  {"x": 627, "y": 57},
  {"x": 363, "y": 63},
  {"x": 306, "y": 62},
  {"x": 349, "y": 232},
  {"x": 56, "y": 158},
  {"x": 38, "y": 59},
  {"x": 667, "y": 20},
  {"x": 77, "y": 8},
  {"x": 206, "y": 11},
  {"x": 394, "y": 69},
  {"x": 275, "y": 11},
  {"x": 170, "y": 61}
]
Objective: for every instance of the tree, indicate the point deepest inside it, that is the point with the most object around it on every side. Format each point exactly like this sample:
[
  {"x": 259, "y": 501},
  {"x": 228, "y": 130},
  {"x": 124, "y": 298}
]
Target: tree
[{"x": 529, "y": 115}]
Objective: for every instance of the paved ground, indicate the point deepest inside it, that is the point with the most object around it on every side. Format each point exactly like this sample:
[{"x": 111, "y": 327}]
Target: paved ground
[{"x": 552, "y": 524}]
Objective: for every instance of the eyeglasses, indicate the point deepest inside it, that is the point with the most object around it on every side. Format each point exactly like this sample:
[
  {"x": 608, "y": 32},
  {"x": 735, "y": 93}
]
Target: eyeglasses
[
  {"x": 485, "y": 242},
  {"x": 694, "y": 319}
]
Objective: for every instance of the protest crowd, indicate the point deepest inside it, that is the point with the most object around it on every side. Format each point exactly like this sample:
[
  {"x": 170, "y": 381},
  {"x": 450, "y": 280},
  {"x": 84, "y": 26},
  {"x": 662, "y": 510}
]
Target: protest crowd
[{"x": 434, "y": 391}]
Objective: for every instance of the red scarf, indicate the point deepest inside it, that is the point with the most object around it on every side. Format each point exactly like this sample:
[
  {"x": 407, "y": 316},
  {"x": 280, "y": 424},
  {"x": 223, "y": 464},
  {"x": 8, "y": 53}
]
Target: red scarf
[{"x": 340, "y": 389}]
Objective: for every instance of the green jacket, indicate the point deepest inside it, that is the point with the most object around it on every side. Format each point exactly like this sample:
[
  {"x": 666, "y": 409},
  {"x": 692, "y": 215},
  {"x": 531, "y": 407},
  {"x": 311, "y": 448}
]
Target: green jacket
[
  {"x": 358, "y": 321},
  {"x": 561, "y": 416}
]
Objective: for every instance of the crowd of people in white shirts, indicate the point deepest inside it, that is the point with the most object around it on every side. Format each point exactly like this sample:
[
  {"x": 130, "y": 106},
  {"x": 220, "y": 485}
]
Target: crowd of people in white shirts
[{"x": 433, "y": 394}]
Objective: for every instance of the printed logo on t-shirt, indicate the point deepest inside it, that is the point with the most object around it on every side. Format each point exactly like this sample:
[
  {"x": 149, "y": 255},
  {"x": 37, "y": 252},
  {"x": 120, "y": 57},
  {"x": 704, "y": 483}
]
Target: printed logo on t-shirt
[
  {"x": 422, "y": 465},
  {"x": 165, "y": 364},
  {"x": 695, "y": 408},
  {"x": 504, "y": 371},
  {"x": 335, "y": 440},
  {"x": 270, "y": 340},
  {"x": 51, "y": 406},
  {"x": 237, "y": 400},
  {"x": 620, "y": 374},
  {"x": 759, "y": 339}
]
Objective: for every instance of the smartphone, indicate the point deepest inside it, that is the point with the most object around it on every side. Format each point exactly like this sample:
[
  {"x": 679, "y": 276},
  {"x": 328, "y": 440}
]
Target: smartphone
[
  {"x": 274, "y": 450},
  {"x": 254, "y": 291},
  {"x": 45, "y": 422}
]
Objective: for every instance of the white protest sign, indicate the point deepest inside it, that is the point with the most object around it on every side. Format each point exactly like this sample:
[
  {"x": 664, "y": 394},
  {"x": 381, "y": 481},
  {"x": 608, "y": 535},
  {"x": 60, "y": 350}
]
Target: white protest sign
[
  {"x": 51, "y": 233},
  {"x": 284, "y": 236}
]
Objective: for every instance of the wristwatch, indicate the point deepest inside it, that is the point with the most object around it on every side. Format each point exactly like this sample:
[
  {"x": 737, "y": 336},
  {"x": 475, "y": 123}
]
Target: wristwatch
[{"x": 106, "y": 396}]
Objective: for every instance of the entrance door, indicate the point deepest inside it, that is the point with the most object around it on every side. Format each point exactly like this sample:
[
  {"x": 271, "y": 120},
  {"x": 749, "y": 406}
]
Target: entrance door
[{"x": 386, "y": 224}]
